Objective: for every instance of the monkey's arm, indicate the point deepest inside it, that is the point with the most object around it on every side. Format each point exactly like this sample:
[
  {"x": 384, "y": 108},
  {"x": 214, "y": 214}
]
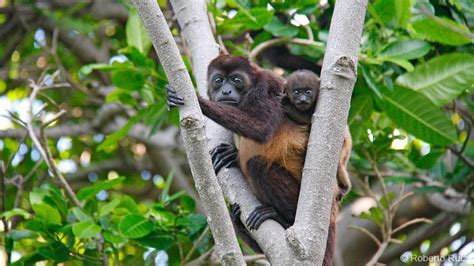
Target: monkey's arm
[{"x": 254, "y": 122}]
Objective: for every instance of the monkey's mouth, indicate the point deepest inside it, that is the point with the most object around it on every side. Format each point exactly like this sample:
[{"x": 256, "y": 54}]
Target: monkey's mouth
[
  {"x": 230, "y": 101},
  {"x": 303, "y": 106}
]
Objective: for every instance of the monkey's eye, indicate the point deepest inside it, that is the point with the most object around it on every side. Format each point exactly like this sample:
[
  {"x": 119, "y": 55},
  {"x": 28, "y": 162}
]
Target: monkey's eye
[
  {"x": 297, "y": 92},
  {"x": 236, "y": 80},
  {"x": 307, "y": 91},
  {"x": 218, "y": 80}
]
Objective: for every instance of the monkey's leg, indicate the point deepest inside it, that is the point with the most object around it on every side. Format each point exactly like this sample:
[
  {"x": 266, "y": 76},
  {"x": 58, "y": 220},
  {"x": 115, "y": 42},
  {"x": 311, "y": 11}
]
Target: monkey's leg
[
  {"x": 275, "y": 188},
  {"x": 241, "y": 230},
  {"x": 224, "y": 155},
  {"x": 172, "y": 97}
]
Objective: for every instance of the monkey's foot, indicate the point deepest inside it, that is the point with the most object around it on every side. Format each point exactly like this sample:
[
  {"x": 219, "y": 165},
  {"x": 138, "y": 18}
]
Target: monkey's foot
[
  {"x": 260, "y": 215},
  {"x": 224, "y": 155},
  {"x": 172, "y": 97}
]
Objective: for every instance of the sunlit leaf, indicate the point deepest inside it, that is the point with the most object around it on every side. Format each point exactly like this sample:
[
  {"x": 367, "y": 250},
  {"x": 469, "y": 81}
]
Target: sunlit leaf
[
  {"x": 135, "y": 226},
  {"x": 442, "y": 30},
  {"x": 419, "y": 116},
  {"x": 443, "y": 78},
  {"x": 85, "y": 229},
  {"x": 136, "y": 33},
  {"x": 91, "y": 191}
]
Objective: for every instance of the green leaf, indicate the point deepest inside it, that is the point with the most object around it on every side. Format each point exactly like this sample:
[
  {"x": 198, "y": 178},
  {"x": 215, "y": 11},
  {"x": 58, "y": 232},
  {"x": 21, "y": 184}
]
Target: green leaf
[
  {"x": 430, "y": 159},
  {"x": 128, "y": 203},
  {"x": 136, "y": 33},
  {"x": 429, "y": 189},
  {"x": 401, "y": 62},
  {"x": 277, "y": 28},
  {"x": 392, "y": 12},
  {"x": 394, "y": 180},
  {"x": 157, "y": 240},
  {"x": 128, "y": 79},
  {"x": 109, "y": 207},
  {"x": 188, "y": 204},
  {"x": 15, "y": 212},
  {"x": 113, "y": 138},
  {"x": 81, "y": 215},
  {"x": 87, "y": 69},
  {"x": 252, "y": 19},
  {"x": 18, "y": 234},
  {"x": 407, "y": 49},
  {"x": 441, "y": 79},
  {"x": 135, "y": 226},
  {"x": 387, "y": 199},
  {"x": 419, "y": 116},
  {"x": 169, "y": 180},
  {"x": 361, "y": 106},
  {"x": 56, "y": 251},
  {"x": 442, "y": 30},
  {"x": 47, "y": 214},
  {"x": 85, "y": 229},
  {"x": 91, "y": 191},
  {"x": 375, "y": 214},
  {"x": 114, "y": 238}
]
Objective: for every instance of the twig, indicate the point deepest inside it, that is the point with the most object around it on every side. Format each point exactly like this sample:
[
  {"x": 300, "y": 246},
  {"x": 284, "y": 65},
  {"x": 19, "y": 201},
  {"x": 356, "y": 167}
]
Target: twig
[
  {"x": 279, "y": 41},
  {"x": 378, "y": 254},
  {"x": 368, "y": 233},
  {"x": 414, "y": 221},
  {"x": 463, "y": 157},
  {"x": 44, "y": 151},
  {"x": 252, "y": 258},
  {"x": 196, "y": 244},
  {"x": 309, "y": 31}
]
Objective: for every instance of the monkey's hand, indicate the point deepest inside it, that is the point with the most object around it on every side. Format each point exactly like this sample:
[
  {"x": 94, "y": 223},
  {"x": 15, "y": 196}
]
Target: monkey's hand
[
  {"x": 263, "y": 213},
  {"x": 224, "y": 155},
  {"x": 244, "y": 234},
  {"x": 172, "y": 97}
]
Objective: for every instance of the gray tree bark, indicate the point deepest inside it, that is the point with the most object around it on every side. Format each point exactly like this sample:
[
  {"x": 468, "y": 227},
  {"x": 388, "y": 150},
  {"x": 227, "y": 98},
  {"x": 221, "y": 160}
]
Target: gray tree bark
[
  {"x": 192, "y": 130},
  {"x": 308, "y": 235}
]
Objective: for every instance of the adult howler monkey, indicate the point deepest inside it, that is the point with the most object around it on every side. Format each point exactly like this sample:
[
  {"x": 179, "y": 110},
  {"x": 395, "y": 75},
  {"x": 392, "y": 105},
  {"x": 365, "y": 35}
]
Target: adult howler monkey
[{"x": 245, "y": 100}]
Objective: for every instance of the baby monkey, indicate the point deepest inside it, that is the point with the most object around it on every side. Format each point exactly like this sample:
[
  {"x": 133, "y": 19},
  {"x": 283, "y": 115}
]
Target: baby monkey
[{"x": 299, "y": 103}]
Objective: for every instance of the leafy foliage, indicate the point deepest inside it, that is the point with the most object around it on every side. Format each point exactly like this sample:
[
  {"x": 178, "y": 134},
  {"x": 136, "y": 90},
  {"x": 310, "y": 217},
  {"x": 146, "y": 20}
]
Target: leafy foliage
[{"x": 408, "y": 109}]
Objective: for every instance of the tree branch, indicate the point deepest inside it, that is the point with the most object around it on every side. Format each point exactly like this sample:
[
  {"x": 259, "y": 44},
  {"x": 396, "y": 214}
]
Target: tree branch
[
  {"x": 195, "y": 27},
  {"x": 277, "y": 42},
  {"x": 309, "y": 233},
  {"x": 192, "y": 130}
]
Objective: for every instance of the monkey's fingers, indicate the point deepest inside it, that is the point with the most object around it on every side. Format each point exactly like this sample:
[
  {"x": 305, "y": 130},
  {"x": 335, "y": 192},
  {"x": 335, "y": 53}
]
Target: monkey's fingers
[
  {"x": 225, "y": 161},
  {"x": 172, "y": 97},
  {"x": 260, "y": 215},
  {"x": 235, "y": 211}
]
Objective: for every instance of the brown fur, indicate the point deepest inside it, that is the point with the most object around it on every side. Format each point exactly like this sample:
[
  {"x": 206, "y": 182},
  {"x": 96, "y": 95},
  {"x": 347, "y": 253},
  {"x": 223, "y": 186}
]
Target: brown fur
[{"x": 287, "y": 149}]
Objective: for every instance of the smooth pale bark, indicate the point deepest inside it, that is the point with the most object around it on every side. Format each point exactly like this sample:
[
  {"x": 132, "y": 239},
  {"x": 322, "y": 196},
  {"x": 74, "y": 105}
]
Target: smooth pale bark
[
  {"x": 193, "y": 132},
  {"x": 339, "y": 71},
  {"x": 195, "y": 28}
]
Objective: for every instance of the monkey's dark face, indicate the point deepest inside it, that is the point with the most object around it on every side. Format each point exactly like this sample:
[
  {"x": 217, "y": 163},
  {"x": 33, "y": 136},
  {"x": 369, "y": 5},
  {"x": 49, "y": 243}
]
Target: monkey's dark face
[
  {"x": 302, "y": 98},
  {"x": 227, "y": 88}
]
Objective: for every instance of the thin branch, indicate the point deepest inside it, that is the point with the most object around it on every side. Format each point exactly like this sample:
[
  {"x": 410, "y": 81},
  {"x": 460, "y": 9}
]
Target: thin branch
[
  {"x": 378, "y": 254},
  {"x": 44, "y": 151},
  {"x": 192, "y": 130},
  {"x": 367, "y": 233},
  {"x": 414, "y": 221},
  {"x": 308, "y": 235},
  {"x": 277, "y": 42},
  {"x": 196, "y": 244},
  {"x": 463, "y": 157}
]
